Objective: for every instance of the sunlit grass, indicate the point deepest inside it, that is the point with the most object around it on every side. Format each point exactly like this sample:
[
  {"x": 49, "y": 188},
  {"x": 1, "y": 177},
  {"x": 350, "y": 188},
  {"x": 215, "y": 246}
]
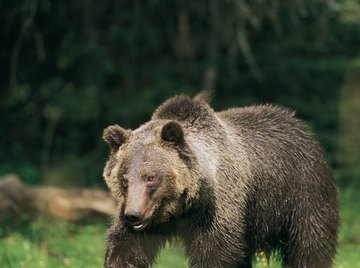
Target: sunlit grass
[
  {"x": 349, "y": 237},
  {"x": 52, "y": 243},
  {"x": 49, "y": 243},
  {"x": 172, "y": 256}
]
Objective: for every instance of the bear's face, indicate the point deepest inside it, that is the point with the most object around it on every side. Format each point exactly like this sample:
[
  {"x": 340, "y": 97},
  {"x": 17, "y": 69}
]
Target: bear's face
[{"x": 147, "y": 174}]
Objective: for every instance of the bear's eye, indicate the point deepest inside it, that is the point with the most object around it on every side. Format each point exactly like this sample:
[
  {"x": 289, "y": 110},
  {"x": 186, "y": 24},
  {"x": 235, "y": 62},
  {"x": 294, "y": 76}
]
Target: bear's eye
[
  {"x": 150, "y": 178},
  {"x": 124, "y": 182}
]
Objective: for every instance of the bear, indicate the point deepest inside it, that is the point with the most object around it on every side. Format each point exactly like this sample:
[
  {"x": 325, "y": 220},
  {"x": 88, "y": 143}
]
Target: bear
[{"x": 227, "y": 184}]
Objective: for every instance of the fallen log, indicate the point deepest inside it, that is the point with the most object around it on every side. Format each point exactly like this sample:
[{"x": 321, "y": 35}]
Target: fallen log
[{"x": 19, "y": 198}]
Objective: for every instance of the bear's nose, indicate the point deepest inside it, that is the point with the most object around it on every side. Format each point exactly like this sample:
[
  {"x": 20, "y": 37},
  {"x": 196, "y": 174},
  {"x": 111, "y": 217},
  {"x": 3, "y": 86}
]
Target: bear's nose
[{"x": 132, "y": 217}]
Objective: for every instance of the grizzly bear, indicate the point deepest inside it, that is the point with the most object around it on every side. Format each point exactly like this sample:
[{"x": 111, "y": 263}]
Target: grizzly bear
[{"x": 227, "y": 184}]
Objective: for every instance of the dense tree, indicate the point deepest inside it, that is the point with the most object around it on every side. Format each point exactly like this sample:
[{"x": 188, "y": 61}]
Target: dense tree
[{"x": 71, "y": 68}]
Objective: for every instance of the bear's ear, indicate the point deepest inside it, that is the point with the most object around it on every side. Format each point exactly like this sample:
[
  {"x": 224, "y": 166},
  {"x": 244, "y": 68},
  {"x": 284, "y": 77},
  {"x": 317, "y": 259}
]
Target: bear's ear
[
  {"x": 173, "y": 132},
  {"x": 115, "y": 136}
]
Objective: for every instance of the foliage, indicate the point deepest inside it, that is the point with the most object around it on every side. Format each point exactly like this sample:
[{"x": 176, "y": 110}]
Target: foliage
[{"x": 69, "y": 69}]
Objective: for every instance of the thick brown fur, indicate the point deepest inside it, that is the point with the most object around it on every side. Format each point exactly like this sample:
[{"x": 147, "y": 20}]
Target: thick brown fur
[{"x": 228, "y": 184}]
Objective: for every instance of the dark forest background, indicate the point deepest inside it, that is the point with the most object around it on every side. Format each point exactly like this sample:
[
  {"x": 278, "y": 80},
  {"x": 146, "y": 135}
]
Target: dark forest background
[{"x": 70, "y": 68}]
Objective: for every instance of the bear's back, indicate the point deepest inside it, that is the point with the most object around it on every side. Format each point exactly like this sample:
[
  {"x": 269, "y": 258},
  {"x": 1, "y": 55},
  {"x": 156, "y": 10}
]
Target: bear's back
[
  {"x": 268, "y": 127},
  {"x": 274, "y": 139},
  {"x": 258, "y": 117}
]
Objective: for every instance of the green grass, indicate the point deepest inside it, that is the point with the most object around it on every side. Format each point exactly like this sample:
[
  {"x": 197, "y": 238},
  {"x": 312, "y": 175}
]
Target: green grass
[
  {"x": 53, "y": 243},
  {"x": 349, "y": 237},
  {"x": 172, "y": 256}
]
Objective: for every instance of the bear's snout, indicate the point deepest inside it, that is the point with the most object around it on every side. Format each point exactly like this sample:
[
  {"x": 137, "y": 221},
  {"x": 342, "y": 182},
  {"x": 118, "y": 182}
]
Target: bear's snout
[{"x": 132, "y": 217}]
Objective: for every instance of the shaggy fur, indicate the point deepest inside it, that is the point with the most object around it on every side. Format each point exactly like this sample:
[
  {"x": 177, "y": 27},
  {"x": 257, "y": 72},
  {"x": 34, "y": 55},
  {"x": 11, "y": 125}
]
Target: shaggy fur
[{"x": 228, "y": 184}]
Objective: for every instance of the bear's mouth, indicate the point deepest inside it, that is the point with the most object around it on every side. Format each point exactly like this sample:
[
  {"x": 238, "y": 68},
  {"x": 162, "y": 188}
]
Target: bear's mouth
[{"x": 141, "y": 225}]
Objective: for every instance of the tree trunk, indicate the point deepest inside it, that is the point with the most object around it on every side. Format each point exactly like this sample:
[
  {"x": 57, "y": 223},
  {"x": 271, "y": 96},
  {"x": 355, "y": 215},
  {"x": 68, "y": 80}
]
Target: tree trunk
[{"x": 18, "y": 198}]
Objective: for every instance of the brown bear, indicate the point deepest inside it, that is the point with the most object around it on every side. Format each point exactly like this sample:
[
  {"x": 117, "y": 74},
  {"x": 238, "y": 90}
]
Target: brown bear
[{"x": 227, "y": 184}]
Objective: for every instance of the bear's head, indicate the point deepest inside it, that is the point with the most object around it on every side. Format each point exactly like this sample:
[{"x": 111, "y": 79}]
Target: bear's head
[{"x": 150, "y": 172}]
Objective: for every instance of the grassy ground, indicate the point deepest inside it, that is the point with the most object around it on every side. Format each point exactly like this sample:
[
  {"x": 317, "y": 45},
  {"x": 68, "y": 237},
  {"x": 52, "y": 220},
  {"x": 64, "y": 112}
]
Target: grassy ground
[{"x": 49, "y": 243}]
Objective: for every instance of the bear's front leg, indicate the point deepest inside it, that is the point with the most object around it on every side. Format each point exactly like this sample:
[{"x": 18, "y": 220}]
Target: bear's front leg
[{"x": 129, "y": 249}]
